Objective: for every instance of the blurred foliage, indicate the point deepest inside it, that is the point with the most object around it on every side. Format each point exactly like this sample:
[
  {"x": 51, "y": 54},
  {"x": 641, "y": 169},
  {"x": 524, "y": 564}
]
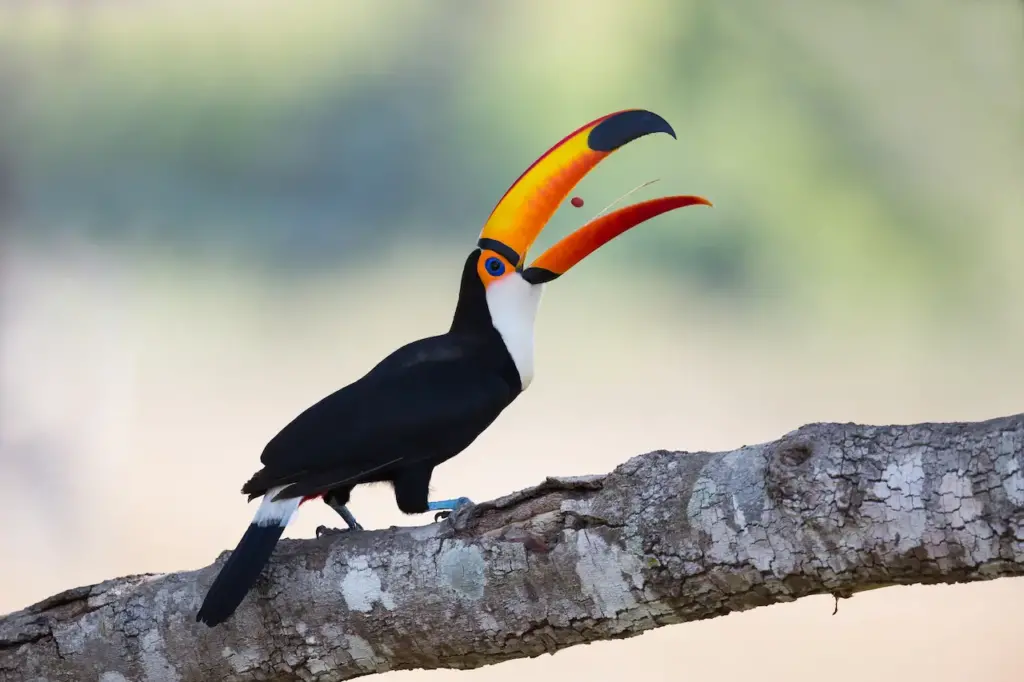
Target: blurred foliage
[{"x": 853, "y": 151}]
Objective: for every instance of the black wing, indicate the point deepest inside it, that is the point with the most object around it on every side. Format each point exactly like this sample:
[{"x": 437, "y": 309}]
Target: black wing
[{"x": 428, "y": 400}]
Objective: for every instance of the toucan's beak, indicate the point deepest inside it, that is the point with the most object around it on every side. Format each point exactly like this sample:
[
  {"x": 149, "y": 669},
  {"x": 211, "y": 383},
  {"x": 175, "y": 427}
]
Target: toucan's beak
[
  {"x": 530, "y": 202},
  {"x": 575, "y": 247}
]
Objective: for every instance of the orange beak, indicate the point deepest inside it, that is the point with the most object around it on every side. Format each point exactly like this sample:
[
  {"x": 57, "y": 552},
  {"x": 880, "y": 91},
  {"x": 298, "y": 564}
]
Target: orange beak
[
  {"x": 529, "y": 203},
  {"x": 570, "y": 250}
]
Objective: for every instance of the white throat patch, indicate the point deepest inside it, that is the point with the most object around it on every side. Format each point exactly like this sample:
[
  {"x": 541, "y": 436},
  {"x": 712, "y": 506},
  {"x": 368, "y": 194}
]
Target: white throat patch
[{"x": 513, "y": 304}]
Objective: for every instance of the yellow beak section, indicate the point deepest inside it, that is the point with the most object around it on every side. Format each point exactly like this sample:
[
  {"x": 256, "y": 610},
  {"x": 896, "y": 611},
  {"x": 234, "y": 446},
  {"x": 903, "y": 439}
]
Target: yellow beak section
[
  {"x": 572, "y": 249},
  {"x": 530, "y": 202}
]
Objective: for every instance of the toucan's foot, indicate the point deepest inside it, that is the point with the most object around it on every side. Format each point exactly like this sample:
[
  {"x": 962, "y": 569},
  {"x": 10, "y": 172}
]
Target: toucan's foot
[
  {"x": 321, "y": 531},
  {"x": 444, "y": 508},
  {"x": 346, "y": 516}
]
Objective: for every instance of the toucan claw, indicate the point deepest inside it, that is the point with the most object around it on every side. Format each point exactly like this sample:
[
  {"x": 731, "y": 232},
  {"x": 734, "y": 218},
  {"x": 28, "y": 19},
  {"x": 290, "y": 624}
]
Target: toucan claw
[{"x": 324, "y": 531}]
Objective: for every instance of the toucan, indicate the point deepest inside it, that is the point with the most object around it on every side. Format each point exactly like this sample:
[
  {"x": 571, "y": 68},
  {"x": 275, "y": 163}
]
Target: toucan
[{"x": 429, "y": 400}]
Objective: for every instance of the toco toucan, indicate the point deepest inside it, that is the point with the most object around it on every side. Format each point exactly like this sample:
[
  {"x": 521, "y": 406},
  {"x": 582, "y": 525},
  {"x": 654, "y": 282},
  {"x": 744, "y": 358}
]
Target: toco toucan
[{"x": 428, "y": 400}]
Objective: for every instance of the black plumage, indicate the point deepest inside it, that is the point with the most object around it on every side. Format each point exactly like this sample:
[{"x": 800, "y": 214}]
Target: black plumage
[
  {"x": 418, "y": 407},
  {"x": 240, "y": 571}
]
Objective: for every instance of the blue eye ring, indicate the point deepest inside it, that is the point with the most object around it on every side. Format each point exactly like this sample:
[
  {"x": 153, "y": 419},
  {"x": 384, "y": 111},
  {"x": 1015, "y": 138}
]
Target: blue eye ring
[{"x": 494, "y": 266}]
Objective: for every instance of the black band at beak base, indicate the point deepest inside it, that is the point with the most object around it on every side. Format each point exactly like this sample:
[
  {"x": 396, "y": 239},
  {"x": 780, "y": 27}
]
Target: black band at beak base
[{"x": 539, "y": 275}]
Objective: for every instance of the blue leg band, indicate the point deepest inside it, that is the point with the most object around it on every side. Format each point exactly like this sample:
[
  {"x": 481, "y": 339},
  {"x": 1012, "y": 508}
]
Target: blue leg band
[{"x": 448, "y": 505}]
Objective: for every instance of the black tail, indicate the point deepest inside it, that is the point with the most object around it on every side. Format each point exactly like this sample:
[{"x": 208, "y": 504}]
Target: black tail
[{"x": 239, "y": 574}]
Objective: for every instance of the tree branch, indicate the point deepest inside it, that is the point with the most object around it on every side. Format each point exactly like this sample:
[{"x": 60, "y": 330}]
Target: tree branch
[{"x": 667, "y": 537}]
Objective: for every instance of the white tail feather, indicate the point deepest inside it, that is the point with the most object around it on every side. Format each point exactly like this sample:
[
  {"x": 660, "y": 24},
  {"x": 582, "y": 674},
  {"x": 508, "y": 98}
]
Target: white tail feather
[{"x": 276, "y": 512}]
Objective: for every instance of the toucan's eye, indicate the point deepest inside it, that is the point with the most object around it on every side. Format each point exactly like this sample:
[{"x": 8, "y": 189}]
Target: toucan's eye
[{"x": 494, "y": 266}]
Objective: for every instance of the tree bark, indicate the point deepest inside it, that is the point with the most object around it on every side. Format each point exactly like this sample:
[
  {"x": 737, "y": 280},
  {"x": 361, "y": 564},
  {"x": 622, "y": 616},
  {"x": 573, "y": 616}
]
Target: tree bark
[{"x": 667, "y": 537}]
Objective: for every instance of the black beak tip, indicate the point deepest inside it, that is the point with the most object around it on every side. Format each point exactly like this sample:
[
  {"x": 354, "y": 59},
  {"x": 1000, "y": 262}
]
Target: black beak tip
[{"x": 624, "y": 127}]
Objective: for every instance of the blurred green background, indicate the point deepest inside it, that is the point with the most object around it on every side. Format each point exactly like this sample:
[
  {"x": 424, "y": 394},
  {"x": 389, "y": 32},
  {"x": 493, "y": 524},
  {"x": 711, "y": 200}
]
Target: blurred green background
[
  {"x": 215, "y": 213},
  {"x": 869, "y": 166}
]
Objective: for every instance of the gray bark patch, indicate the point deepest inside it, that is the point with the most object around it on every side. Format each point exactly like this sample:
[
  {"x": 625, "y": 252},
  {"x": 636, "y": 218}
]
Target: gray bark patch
[{"x": 667, "y": 537}]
